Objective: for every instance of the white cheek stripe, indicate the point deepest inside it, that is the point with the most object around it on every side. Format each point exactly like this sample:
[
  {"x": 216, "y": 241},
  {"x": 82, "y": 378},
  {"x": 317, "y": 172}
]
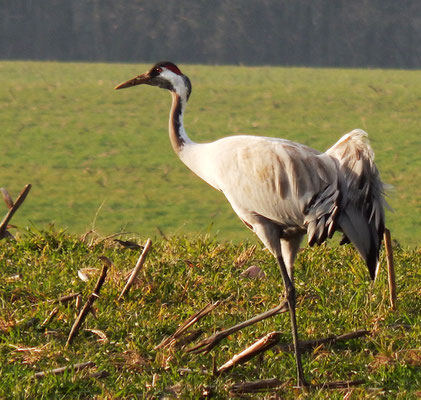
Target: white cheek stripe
[{"x": 176, "y": 81}]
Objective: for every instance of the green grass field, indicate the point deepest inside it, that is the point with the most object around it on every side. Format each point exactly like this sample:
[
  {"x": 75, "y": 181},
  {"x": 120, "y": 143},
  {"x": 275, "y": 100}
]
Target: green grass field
[
  {"x": 98, "y": 157},
  {"x": 101, "y": 159},
  {"x": 180, "y": 277}
]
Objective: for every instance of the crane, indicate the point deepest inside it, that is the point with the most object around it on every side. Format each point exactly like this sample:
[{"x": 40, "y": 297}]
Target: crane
[{"x": 283, "y": 190}]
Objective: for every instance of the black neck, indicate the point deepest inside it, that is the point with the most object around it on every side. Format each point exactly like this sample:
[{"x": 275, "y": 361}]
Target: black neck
[{"x": 177, "y": 133}]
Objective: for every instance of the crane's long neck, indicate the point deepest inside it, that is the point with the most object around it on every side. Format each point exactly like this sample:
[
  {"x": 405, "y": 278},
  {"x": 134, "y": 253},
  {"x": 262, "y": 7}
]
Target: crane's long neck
[
  {"x": 193, "y": 155},
  {"x": 178, "y": 135}
]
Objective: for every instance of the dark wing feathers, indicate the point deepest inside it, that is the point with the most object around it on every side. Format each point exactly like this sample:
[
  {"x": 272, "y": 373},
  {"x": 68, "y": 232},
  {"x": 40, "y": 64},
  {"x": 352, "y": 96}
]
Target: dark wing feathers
[{"x": 362, "y": 205}]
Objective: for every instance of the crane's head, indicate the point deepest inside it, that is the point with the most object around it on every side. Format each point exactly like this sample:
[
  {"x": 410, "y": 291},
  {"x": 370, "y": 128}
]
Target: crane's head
[{"x": 165, "y": 75}]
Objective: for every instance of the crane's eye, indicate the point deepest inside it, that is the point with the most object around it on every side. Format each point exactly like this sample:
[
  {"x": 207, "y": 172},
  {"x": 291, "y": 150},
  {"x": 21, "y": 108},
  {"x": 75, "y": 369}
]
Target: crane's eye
[{"x": 154, "y": 72}]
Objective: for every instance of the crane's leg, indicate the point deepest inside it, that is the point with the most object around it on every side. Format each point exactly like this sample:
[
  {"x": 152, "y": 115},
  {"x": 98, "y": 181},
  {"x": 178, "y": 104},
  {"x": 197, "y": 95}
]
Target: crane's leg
[
  {"x": 289, "y": 250},
  {"x": 290, "y": 295},
  {"x": 270, "y": 234}
]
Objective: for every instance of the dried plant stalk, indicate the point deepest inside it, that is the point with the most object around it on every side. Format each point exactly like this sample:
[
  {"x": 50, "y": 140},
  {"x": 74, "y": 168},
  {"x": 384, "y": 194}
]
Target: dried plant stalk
[
  {"x": 66, "y": 298},
  {"x": 390, "y": 268},
  {"x": 7, "y": 198},
  {"x": 187, "y": 324},
  {"x": 263, "y": 344},
  {"x": 50, "y": 317},
  {"x": 209, "y": 343},
  {"x": 311, "y": 344},
  {"x": 272, "y": 339},
  {"x": 61, "y": 370},
  {"x": 257, "y": 386},
  {"x": 86, "y": 308},
  {"x": 136, "y": 269},
  {"x": 21, "y": 198}
]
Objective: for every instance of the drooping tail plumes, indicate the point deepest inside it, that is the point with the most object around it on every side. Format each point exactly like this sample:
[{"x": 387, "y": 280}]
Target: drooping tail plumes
[{"x": 361, "y": 216}]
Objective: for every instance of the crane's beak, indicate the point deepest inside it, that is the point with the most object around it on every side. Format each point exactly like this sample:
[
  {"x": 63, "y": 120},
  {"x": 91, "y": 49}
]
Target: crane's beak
[{"x": 138, "y": 80}]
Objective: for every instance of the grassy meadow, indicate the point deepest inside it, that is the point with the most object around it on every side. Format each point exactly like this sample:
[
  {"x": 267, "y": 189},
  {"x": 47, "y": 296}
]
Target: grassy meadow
[
  {"x": 101, "y": 158},
  {"x": 180, "y": 277}
]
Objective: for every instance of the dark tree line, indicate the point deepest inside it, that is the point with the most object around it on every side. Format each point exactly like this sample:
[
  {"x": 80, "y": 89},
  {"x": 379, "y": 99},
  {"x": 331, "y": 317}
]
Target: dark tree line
[{"x": 382, "y": 33}]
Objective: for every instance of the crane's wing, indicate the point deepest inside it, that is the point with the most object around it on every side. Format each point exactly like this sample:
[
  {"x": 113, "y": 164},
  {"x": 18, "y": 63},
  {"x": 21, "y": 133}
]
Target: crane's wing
[
  {"x": 285, "y": 182},
  {"x": 362, "y": 196}
]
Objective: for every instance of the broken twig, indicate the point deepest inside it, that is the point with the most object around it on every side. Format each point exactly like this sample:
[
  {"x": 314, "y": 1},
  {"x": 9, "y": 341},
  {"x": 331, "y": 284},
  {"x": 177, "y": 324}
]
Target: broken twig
[
  {"x": 275, "y": 384},
  {"x": 14, "y": 207},
  {"x": 390, "y": 268},
  {"x": 7, "y": 198},
  {"x": 62, "y": 370},
  {"x": 99, "y": 374},
  {"x": 263, "y": 344},
  {"x": 209, "y": 343},
  {"x": 136, "y": 269},
  {"x": 187, "y": 338},
  {"x": 66, "y": 299},
  {"x": 78, "y": 303},
  {"x": 86, "y": 308},
  {"x": 272, "y": 339},
  {"x": 337, "y": 385},
  {"x": 50, "y": 317},
  {"x": 257, "y": 386},
  {"x": 306, "y": 345},
  {"x": 128, "y": 244},
  {"x": 187, "y": 324}
]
